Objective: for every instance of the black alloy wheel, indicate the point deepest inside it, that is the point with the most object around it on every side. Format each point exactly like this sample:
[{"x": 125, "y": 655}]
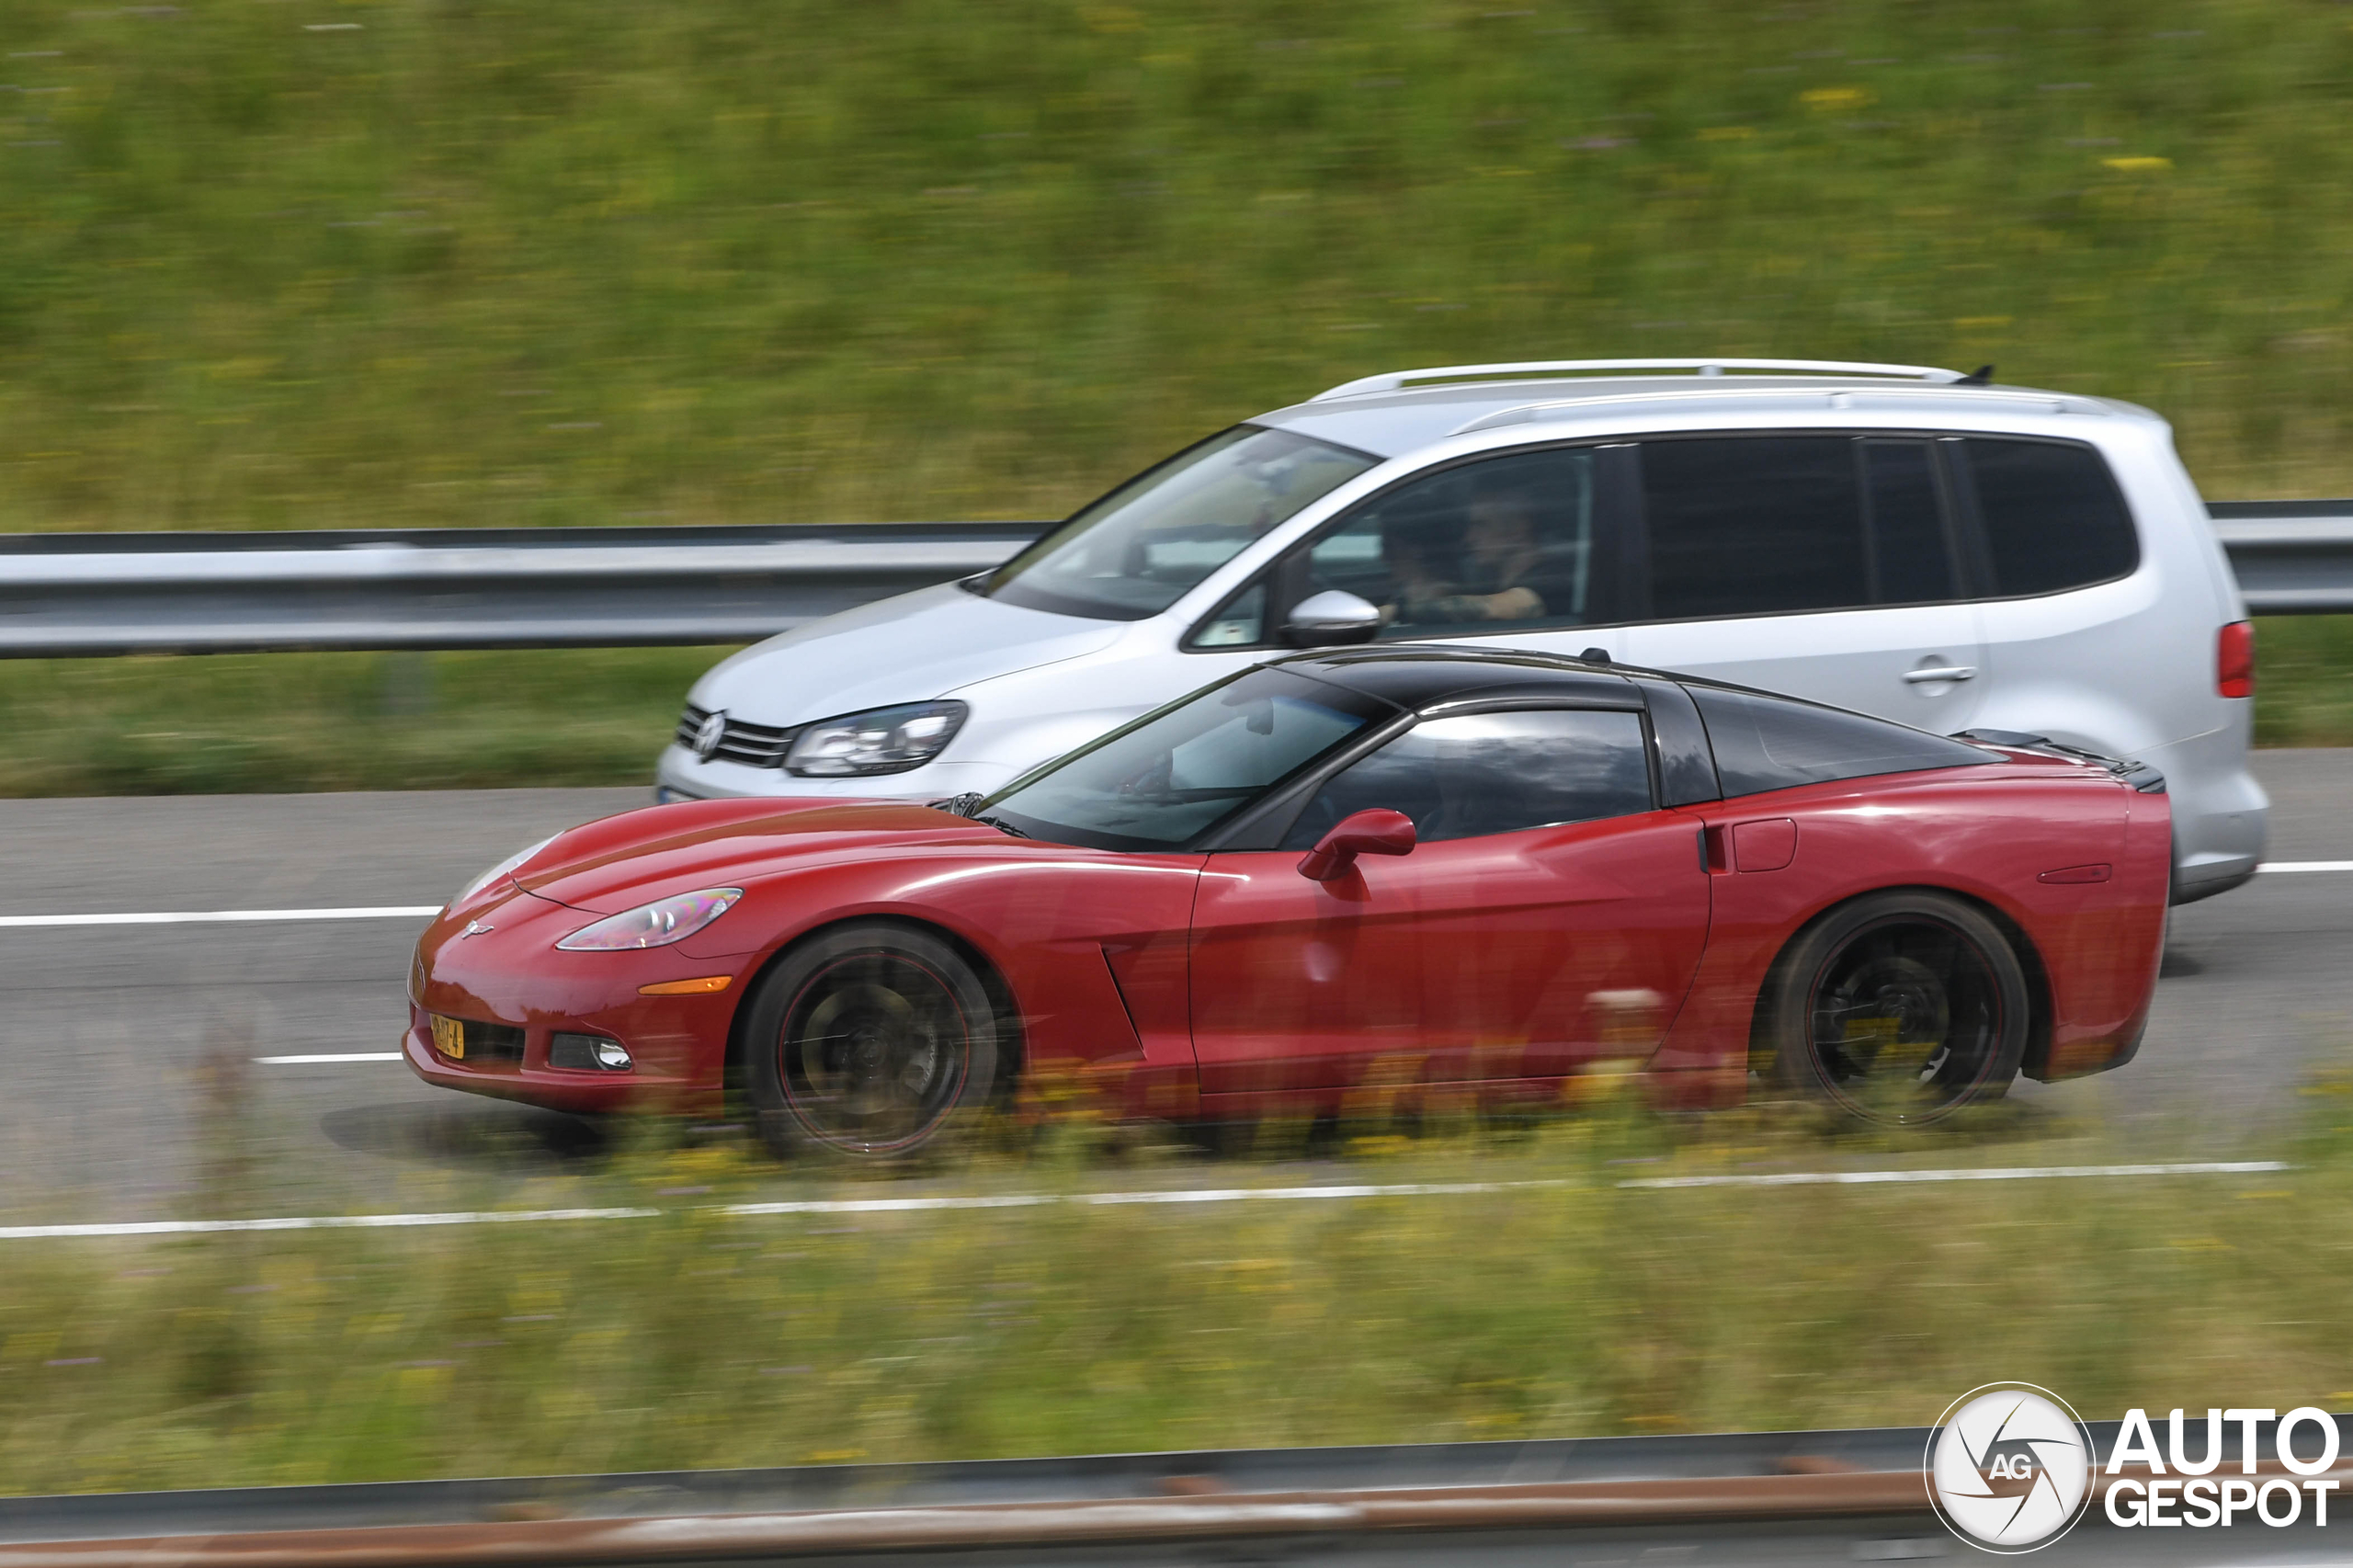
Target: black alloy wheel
[
  {"x": 867, "y": 1042},
  {"x": 1900, "y": 1008}
]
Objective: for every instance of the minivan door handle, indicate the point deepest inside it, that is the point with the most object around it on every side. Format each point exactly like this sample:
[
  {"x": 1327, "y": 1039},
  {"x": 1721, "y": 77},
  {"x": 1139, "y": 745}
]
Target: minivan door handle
[{"x": 1939, "y": 672}]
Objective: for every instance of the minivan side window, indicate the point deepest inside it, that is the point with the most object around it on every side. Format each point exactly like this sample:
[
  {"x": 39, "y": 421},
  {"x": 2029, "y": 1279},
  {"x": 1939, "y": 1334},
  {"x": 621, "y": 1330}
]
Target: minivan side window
[
  {"x": 2051, "y": 513},
  {"x": 1767, "y": 742},
  {"x": 1469, "y": 775},
  {"x": 1503, "y": 544},
  {"x": 1763, "y": 525}
]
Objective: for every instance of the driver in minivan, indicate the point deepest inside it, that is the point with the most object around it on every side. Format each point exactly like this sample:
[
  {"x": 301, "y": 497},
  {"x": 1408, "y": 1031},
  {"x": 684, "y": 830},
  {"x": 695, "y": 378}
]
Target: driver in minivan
[{"x": 1499, "y": 573}]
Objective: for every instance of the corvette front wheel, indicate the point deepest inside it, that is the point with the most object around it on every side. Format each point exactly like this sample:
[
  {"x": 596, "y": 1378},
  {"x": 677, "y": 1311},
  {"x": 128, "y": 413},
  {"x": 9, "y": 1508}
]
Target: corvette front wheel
[
  {"x": 1899, "y": 1009},
  {"x": 868, "y": 1043}
]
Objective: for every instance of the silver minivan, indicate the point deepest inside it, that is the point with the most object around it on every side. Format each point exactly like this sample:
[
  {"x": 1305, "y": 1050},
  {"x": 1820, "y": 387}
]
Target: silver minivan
[{"x": 1901, "y": 540}]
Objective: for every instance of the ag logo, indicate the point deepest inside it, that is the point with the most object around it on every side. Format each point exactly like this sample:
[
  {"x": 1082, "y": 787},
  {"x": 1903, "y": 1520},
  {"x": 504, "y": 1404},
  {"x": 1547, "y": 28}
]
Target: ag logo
[
  {"x": 2009, "y": 1467},
  {"x": 709, "y": 734}
]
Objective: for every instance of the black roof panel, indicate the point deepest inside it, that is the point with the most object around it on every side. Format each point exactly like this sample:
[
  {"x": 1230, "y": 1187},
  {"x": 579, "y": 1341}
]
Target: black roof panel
[{"x": 1420, "y": 676}]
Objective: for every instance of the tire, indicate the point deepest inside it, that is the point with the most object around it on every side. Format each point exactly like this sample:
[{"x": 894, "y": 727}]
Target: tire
[
  {"x": 869, "y": 1043},
  {"x": 1899, "y": 1009}
]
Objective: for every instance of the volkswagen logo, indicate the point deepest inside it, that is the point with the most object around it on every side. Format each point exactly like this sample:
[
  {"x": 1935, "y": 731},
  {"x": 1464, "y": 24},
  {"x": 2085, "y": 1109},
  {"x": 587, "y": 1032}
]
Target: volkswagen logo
[
  {"x": 2009, "y": 1467},
  {"x": 709, "y": 734}
]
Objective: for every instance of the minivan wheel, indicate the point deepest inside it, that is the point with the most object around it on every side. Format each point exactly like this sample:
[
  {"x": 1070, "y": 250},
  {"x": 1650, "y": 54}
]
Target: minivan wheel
[
  {"x": 1899, "y": 1009},
  {"x": 868, "y": 1043}
]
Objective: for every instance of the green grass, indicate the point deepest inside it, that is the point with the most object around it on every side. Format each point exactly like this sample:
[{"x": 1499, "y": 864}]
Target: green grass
[
  {"x": 1578, "y": 1308},
  {"x": 271, "y": 722},
  {"x": 2303, "y": 693},
  {"x": 392, "y": 262}
]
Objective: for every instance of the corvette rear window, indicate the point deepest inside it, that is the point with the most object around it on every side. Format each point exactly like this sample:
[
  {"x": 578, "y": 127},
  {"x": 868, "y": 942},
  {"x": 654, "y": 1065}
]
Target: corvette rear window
[
  {"x": 1764, "y": 743},
  {"x": 1174, "y": 774}
]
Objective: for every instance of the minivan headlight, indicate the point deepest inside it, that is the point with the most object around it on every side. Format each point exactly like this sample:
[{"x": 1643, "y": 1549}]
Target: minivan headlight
[
  {"x": 655, "y": 924},
  {"x": 881, "y": 740}
]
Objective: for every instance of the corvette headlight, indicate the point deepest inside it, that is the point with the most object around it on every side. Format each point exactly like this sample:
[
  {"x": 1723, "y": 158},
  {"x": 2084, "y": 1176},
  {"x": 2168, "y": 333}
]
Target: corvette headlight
[
  {"x": 655, "y": 924},
  {"x": 882, "y": 740},
  {"x": 512, "y": 862}
]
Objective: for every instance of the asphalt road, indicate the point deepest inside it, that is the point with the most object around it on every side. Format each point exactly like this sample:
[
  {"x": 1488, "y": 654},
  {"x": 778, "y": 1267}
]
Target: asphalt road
[{"x": 128, "y": 1050}]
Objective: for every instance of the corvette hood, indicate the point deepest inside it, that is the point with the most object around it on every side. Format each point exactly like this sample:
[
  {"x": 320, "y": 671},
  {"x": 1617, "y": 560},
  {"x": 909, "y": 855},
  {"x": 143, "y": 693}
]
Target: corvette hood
[
  {"x": 909, "y": 649},
  {"x": 623, "y": 861}
]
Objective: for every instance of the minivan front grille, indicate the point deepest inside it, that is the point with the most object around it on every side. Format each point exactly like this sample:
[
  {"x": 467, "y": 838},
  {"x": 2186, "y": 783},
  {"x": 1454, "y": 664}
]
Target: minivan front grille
[{"x": 753, "y": 745}]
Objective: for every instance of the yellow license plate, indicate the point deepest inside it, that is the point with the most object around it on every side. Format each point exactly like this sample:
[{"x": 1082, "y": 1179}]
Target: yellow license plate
[{"x": 450, "y": 1038}]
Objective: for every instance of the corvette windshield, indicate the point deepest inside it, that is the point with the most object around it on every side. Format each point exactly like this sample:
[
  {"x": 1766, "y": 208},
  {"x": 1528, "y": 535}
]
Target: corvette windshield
[
  {"x": 1174, "y": 774},
  {"x": 1135, "y": 552}
]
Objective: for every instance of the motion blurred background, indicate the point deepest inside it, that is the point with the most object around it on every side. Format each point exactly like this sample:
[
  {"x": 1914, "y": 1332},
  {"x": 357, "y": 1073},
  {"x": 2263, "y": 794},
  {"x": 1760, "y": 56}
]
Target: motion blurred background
[
  {"x": 278, "y": 263},
  {"x": 295, "y": 264}
]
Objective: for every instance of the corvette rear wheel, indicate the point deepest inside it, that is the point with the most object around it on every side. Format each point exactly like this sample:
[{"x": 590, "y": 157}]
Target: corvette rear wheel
[
  {"x": 1899, "y": 1009},
  {"x": 869, "y": 1043}
]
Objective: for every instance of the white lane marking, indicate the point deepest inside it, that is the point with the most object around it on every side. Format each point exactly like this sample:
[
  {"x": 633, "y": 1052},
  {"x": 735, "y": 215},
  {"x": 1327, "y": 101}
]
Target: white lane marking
[
  {"x": 2009, "y": 1173},
  {"x": 1039, "y": 1199},
  {"x": 329, "y": 1056},
  {"x": 2306, "y": 865},
  {"x": 1241, "y": 1194},
  {"x": 319, "y": 1222},
  {"x": 1204, "y": 1195},
  {"x": 216, "y": 916},
  {"x": 889, "y": 1205}
]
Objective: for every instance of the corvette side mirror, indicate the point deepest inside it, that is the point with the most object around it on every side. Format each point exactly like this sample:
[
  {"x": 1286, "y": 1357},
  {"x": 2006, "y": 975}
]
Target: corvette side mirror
[
  {"x": 1375, "y": 831},
  {"x": 1331, "y": 619}
]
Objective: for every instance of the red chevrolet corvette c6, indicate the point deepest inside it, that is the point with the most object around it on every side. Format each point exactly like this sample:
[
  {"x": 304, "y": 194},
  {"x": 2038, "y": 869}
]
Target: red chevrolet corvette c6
[{"x": 1405, "y": 865}]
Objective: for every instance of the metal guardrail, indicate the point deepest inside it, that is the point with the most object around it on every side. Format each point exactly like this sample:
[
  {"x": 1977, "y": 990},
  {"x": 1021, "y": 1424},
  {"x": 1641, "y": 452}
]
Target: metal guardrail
[
  {"x": 66, "y": 595},
  {"x": 2291, "y": 557},
  {"x": 1747, "y": 1497},
  {"x": 80, "y": 595}
]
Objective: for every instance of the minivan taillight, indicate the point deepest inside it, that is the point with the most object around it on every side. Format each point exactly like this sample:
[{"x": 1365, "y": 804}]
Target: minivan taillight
[{"x": 2235, "y": 660}]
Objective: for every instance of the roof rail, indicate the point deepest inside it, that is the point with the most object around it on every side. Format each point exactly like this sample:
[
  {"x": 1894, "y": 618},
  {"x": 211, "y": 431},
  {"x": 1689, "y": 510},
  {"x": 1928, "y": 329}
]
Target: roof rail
[{"x": 1392, "y": 380}]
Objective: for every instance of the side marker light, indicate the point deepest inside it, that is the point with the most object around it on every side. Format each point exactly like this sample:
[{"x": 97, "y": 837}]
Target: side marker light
[{"x": 703, "y": 986}]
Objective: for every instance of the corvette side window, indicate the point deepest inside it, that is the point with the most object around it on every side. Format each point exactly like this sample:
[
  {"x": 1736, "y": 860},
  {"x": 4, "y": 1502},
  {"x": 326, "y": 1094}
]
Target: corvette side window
[{"x": 1483, "y": 773}]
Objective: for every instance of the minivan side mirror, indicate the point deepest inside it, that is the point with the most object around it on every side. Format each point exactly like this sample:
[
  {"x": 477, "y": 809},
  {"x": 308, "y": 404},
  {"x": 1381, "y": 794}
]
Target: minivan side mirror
[
  {"x": 1329, "y": 619},
  {"x": 1376, "y": 830}
]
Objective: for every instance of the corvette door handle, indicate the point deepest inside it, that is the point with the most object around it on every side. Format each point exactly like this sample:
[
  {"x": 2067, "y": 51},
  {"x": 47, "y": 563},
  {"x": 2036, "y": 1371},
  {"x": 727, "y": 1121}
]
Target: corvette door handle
[{"x": 1939, "y": 672}]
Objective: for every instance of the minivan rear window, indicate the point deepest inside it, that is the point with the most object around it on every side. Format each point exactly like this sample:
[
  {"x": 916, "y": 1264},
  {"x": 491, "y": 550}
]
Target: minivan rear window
[
  {"x": 2053, "y": 516},
  {"x": 1768, "y": 742}
]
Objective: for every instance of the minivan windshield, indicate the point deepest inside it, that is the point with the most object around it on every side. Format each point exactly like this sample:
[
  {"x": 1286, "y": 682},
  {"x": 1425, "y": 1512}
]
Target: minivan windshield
[
  {"x": 1134, "y": 552},
  {"x": 1176, "y": 773}
]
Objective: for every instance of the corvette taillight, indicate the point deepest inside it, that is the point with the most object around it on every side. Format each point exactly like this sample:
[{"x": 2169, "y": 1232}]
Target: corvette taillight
[{"x": 2235, "y": 660}]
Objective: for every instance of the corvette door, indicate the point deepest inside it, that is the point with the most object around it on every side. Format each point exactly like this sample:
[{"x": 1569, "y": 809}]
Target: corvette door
[{"x": 1548, "y": 915}]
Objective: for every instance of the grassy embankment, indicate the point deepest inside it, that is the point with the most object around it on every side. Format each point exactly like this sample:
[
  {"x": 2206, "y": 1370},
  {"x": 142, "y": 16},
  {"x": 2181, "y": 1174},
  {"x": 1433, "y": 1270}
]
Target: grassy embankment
[
  {"x": 397, "y": 264},
  {"x": 1577, "y": 1308}
]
